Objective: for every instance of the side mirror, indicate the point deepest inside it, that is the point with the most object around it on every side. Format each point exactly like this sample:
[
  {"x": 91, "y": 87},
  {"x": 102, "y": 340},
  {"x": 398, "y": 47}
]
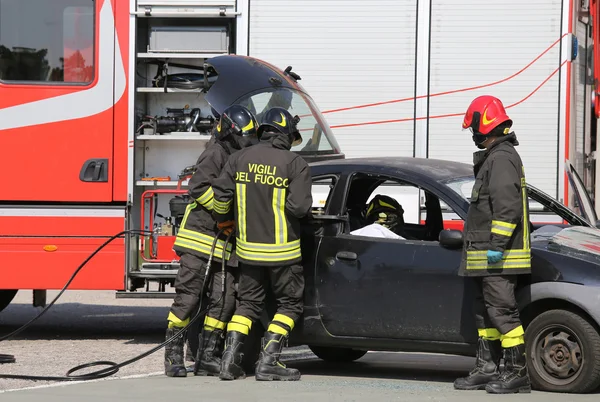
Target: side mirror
[{"x": 451, "y": 239}]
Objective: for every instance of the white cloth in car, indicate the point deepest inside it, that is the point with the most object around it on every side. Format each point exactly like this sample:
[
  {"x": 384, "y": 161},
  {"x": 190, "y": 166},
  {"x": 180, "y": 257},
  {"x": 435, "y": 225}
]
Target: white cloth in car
[{"x": 376, "y": 230}]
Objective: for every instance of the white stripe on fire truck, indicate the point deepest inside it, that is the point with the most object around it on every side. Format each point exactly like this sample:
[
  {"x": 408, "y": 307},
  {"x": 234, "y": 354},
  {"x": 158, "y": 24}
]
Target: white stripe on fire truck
[
  {"x": 66, "y": 212},
  {"x": 85, "y": 103}
]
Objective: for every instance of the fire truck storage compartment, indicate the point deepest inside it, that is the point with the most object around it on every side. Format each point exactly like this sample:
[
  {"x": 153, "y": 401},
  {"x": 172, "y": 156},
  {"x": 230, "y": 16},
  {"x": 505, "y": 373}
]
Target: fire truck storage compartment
[
  {"x": 188, "y": 39},
  {"x": 173, "y": 122},
  {"x": 50, "y": 243}
]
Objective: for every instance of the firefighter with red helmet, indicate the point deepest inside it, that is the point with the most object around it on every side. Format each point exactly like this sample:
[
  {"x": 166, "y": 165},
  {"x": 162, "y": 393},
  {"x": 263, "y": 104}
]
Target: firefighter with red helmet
[
  {"x": 236, "y": 129},
  {"x": 265, "y": 191},
  {"x": 496, "y": 249}
]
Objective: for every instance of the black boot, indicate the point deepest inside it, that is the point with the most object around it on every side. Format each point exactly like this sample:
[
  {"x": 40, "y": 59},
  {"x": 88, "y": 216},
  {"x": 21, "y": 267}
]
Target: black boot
[
  {"x": 208, "y": 358},
  {"x": 231, "y": 363},
  {"x": 486, "y": 366},
  {"x": 174, "y": 363},
  {"x": 514, "y": 378},
  {"x": 268, "y": 367}
]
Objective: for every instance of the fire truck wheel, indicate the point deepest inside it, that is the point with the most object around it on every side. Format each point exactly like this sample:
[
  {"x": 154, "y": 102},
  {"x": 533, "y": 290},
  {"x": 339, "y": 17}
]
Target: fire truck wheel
[{"x": 6, "y": 297}]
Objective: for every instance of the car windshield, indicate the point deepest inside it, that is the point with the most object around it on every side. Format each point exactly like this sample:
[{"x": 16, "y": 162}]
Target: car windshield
[
  {"x": 316, "y": 134},
  {"x": 462, "y": 186}
]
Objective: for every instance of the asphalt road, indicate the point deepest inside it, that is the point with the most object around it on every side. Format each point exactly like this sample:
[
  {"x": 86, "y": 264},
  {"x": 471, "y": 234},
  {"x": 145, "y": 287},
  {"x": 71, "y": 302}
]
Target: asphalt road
[{"x": 89, "y": 326}]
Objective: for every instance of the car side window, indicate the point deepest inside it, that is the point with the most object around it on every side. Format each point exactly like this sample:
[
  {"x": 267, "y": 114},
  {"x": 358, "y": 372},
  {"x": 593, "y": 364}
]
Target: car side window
[
  {"x": 379, "y": 206},
  {"x": 322, "y": 190}
]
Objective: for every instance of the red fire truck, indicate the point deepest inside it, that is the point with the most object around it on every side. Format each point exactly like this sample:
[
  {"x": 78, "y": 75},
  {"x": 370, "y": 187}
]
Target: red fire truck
[{"x": 105, "y": 103}]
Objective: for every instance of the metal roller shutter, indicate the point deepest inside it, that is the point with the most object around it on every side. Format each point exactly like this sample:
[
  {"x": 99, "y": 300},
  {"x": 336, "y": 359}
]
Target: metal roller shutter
[
  {"x": 348, "y": 53},
  {"x": 475, "y": 43}
]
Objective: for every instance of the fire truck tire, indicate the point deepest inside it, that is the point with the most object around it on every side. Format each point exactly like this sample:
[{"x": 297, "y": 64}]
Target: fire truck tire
[{"x": 6, "y": 296}]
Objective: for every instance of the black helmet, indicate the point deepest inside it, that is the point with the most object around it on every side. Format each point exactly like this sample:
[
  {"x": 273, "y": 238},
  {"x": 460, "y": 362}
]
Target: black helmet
[
  {"x": 279, "y": 120},
  {"x": 386, "y": 211},
  {"x": 237, "y": 121}
]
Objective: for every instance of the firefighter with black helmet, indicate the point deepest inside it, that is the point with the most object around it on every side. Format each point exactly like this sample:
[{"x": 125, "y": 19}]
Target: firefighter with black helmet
[
  {"x": 496, "y": 249},
  {"x": 236, "y": 129},
  {"x": 265, "y": 191}
]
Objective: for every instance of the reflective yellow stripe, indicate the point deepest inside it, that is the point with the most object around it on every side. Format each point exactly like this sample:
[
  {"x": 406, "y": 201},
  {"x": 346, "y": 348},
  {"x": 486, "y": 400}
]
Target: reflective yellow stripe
[
  {"x": 174, "y": 321},
  {"x": 501, "y": 232},
  {"x": 513, "y": 338},
  {"x": 500, "y": 265},
  {"x": 272, "y": 257},
  {"x": 206, "y": 199},
  {"x": 475, "y": 255},
  {"x": 491, "y": 334},
  {"x": 515, "y": 332},
  {"x": 202, "y": 247},
  {"x": 240, "y": 319},
  {"x": 186, "y": 234},
  {"x": 214, "y": 323},
  {"x": 277, "y": 329},
  {"x": 240, "y": 323},
  {"x": 221, "y": 207},
  {"x": 279, "y": 213},
  {"x": 284, "y": 319},
  {"x": 505, "y": 225},
  {"x": 240, "y": 190},
  {"x": 188, "y": 209},
  {"x": 234, "y": 326},
  {"x": 246, "y": 245},
  {"x": 526, "y": 242}
]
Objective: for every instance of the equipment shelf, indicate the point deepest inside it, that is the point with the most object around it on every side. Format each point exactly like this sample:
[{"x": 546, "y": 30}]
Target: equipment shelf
[
  {"x": 174, "y": 136},
  {"x": 150, "y": 183},
  {"x": 169, "y": 90},
  {"x": 165, "y": 55}
]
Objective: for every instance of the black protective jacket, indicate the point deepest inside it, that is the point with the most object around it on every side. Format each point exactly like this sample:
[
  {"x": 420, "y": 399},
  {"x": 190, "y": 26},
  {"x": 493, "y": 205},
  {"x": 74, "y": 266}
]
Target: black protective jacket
[
  {"x": 198, "y": 228},
  {"x": 267, "y": 190},
  {"x": 498, "y": 217}
]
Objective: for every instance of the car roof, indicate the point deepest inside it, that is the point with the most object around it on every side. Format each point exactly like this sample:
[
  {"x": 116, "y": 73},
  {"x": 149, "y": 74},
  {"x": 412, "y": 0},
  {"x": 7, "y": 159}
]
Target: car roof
[{"x": 436, "y": 169}]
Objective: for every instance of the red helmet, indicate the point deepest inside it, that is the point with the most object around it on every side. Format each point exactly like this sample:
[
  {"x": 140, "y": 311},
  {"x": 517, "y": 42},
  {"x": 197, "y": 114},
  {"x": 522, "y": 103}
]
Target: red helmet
[{"x": 485, "y": 114}]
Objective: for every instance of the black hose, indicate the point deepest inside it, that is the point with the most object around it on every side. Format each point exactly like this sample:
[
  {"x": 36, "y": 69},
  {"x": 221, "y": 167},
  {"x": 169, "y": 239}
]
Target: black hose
[{"x": 113, "y": 367}]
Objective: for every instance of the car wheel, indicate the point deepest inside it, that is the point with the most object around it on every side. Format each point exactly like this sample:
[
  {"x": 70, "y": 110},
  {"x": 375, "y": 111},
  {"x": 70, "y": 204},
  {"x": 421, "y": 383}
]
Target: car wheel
[
  {"x": 563, "y": 352},
  {"x": 6, "y": 296},
  {"x": 337, "y": 355}
]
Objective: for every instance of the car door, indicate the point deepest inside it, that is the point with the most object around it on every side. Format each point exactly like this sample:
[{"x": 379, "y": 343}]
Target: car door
[{"x": 391, "y": 288}]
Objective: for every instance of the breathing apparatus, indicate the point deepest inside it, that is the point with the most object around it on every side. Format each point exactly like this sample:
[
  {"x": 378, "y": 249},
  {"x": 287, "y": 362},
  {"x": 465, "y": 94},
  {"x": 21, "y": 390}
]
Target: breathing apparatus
[{"x": 113, "y": 367}]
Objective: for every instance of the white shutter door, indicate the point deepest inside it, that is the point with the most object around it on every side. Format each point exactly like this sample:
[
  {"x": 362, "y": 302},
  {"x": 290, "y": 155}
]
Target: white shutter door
[
  {"x": 348, "y": 53},
  {"x": 477, "y": 43}
]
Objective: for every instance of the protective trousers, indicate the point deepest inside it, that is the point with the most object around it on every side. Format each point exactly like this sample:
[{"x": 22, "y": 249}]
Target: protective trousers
[
  {"x": 496, "y": 311},
  {"x": 287, "y": 284},
  {"x": 188, "y": 284},
  {"x": 223, "y": 304}
]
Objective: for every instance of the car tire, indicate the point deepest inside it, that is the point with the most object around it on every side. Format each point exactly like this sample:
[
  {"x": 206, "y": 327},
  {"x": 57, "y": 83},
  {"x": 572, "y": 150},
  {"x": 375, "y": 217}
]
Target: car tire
[
  {"x": 563, "y": 352},
  {"x": 6, "y": 296},
  {"x": 337, "y": 355}
]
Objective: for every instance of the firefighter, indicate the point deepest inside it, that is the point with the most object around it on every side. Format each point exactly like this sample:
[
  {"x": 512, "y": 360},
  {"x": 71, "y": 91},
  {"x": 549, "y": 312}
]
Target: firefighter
[
  {"x": 237, "y": 129},
  {"x": 265, "y": 191},
  {"x": 496, "y": 250}
]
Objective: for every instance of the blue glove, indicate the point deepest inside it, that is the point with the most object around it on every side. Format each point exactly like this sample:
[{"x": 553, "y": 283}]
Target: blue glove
[{"x": 494, "y": 256}]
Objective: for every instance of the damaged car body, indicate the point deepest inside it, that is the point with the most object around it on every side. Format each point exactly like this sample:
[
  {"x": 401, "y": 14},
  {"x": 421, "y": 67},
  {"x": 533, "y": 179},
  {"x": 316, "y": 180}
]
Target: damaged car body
[{"x": 365, "y": 293}]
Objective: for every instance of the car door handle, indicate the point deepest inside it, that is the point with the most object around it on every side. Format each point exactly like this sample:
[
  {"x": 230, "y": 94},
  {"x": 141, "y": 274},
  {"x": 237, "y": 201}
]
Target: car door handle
[
  {"x": 94, "y": 170},
  {"x": 346, "y": 255}
]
